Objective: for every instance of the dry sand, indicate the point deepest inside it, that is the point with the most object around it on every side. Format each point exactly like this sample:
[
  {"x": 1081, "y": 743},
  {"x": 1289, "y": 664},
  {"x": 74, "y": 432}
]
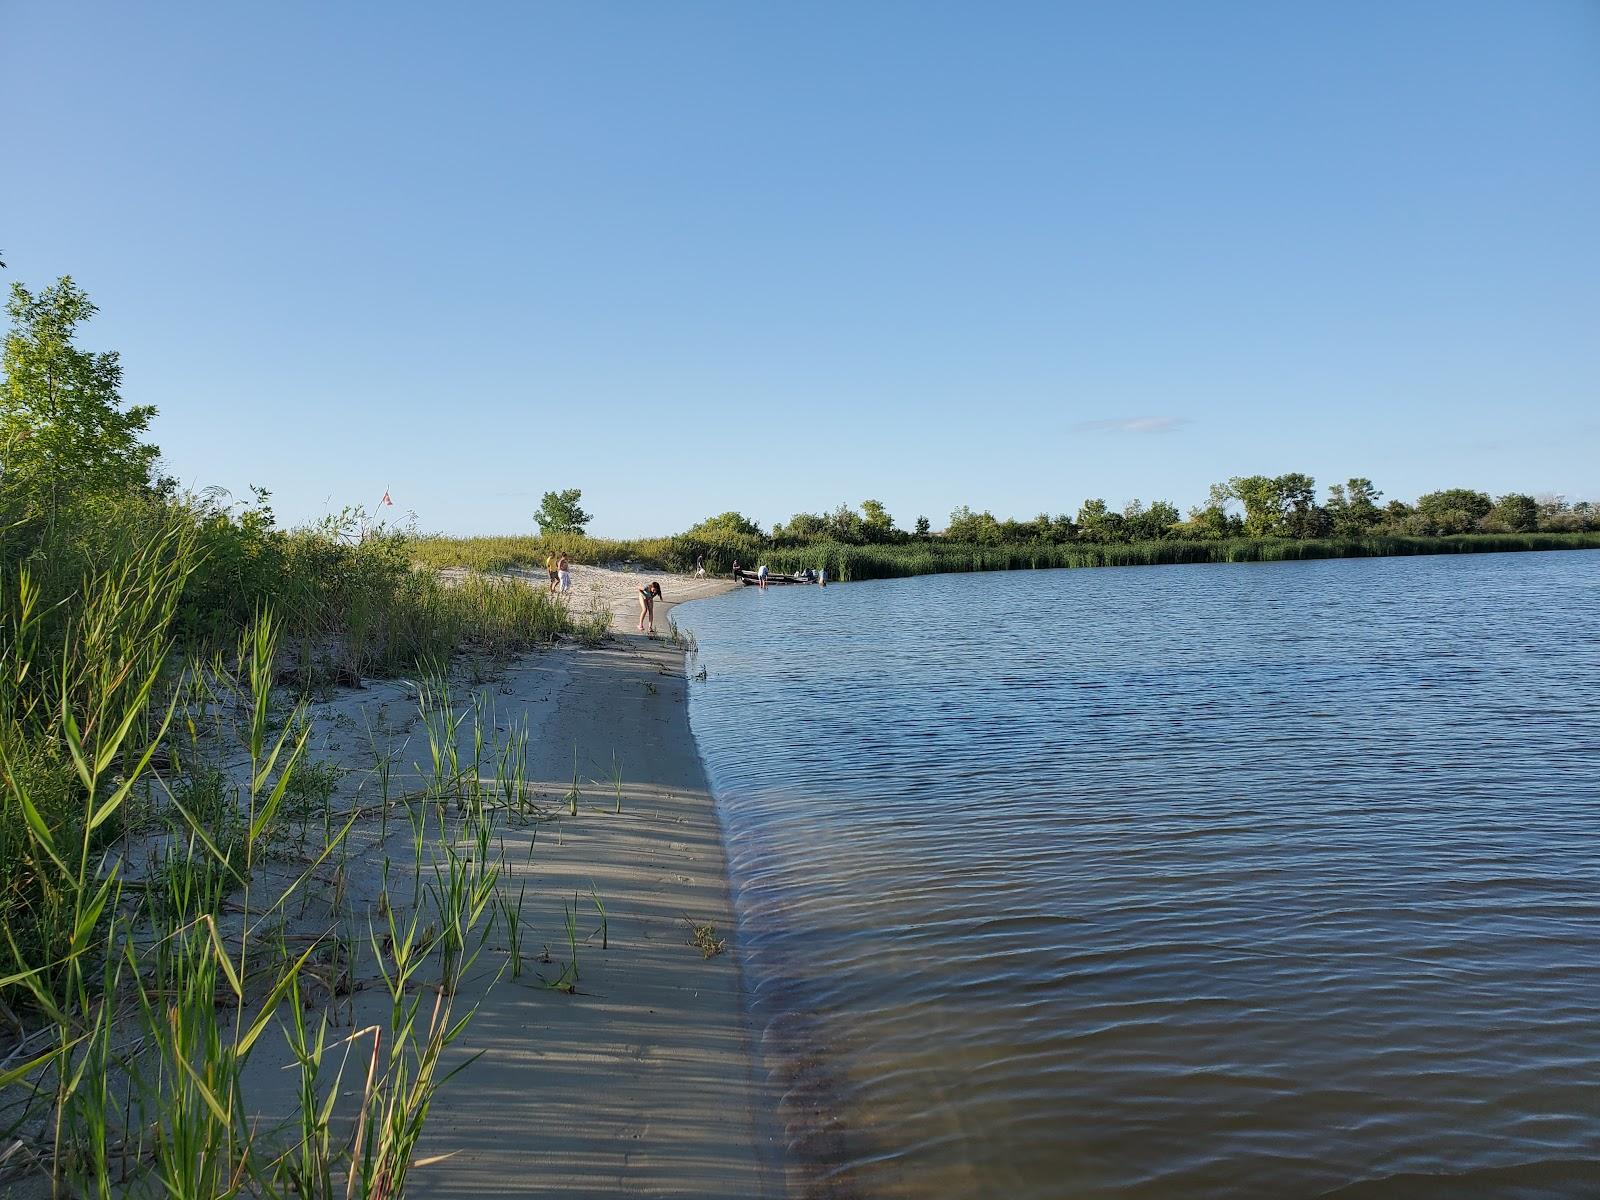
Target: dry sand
[{"x": 616, "y": 589}]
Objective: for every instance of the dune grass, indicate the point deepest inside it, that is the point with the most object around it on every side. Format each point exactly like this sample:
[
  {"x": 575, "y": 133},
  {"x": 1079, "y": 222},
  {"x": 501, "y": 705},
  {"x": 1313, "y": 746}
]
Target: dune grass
[
  {"x": 136, "y": 1004},
  {"x": 134, "y": 993},
  {"x": 511, "y": 551}
]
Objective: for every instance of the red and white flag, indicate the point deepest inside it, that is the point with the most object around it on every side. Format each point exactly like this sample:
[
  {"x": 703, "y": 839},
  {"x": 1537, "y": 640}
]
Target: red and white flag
[{"x": 386, "y": 500}]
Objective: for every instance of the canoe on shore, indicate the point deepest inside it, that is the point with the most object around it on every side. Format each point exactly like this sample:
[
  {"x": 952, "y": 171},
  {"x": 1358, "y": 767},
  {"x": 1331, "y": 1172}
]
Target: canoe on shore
[{"x": 751, "y": 579}]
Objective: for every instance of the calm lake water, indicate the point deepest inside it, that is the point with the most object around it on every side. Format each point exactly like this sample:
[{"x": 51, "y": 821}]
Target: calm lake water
[{"x": 1273, "y": 880}]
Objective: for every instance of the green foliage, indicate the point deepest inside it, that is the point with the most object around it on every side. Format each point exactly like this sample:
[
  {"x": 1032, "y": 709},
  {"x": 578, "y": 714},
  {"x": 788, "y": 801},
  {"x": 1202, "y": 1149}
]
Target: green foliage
[
  {"x": 1301, "y": 517},
  {"x": 559, "y": 513},
  {"x": 1097, "y": 523},
  {"x": 1353, "y": 508},
  {"x": 1150, "y": 524},
  {"x": 1514, "y": 513},
  {"x": 1557, "y": 515},
  {"x": 63, "y": 426},
  {"x": 800, "y": 529},
  {"x": 877, "y": 526},
  {"x": 512, "y": 551},
  {"x": 871, "y": 526},
  {"x": 1263, "y": 504},
  {"x": 1454, "y": 510},
  {"x": 968, "y": 526},
  {"x": 728, "y": 525}
]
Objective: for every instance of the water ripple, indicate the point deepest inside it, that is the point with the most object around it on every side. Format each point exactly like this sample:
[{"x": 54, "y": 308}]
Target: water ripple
[{"x": 1263, "y": 880}]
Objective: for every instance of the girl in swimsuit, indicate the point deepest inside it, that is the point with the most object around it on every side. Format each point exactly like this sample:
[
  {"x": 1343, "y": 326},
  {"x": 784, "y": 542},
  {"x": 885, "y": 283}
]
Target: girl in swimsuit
[{"x": 647, "y": 606}]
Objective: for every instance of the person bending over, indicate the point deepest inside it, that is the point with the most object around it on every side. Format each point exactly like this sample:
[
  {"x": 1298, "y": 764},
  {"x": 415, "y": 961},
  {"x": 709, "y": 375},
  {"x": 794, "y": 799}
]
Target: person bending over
[{"x": 647, "y": 606}]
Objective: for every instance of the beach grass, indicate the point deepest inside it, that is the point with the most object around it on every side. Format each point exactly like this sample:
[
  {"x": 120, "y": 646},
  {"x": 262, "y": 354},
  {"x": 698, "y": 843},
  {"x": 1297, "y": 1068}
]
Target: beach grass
[{"x": 137, "y": 993}]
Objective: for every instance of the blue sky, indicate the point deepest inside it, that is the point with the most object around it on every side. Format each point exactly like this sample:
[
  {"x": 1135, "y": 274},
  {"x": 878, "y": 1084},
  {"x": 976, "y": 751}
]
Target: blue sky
[{"x": 779, "y": 256}]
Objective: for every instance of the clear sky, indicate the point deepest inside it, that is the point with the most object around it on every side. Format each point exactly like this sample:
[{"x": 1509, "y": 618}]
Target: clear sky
[{"x": 779, "y": 256}]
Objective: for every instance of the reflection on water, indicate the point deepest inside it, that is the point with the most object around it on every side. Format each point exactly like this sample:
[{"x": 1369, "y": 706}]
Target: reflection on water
[{"x": 1265, "y": 880}]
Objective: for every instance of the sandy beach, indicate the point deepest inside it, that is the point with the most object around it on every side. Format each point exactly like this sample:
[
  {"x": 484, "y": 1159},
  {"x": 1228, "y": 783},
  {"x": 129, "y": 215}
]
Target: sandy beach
[
  {"x": 616, "y": 590},
  {"x": 642, "y": 1081},
  {"x": 636, "y": 1076}
]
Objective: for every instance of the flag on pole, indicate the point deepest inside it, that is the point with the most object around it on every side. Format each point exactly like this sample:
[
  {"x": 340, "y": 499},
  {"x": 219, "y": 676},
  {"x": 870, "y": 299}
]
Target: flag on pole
[{"x": 386, "y": 500}]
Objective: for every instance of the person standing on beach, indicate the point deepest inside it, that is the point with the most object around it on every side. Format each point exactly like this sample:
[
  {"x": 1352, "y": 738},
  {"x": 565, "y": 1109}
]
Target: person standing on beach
[
  {"x": 564, "y": 573},
  {"x": 736, "y": 568},
  {"x": 551, "y": 570},
  {"x": 647, "y": 606}
]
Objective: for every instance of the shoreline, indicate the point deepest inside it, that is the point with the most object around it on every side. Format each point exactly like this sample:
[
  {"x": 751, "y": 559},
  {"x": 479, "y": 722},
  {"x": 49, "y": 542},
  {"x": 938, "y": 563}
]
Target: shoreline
[{"x": 646, "y": 1080}]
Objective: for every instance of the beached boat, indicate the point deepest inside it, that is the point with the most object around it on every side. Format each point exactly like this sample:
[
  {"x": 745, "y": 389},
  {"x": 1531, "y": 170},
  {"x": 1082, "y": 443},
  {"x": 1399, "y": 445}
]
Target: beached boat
[{"x": 751, "y": 579}]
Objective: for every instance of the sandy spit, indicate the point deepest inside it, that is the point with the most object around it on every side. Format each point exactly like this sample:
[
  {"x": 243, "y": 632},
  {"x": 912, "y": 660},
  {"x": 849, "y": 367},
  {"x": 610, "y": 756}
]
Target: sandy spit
[{"x": 645, "y": 1081}]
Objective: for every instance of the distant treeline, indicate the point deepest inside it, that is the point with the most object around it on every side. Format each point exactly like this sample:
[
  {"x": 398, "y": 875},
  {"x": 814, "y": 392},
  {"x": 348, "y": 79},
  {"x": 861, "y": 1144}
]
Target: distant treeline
[
  {"x": 1254, "y": 518},
  {"x": 1251, "y": 506},
  {"x": 937, "y": 555}
]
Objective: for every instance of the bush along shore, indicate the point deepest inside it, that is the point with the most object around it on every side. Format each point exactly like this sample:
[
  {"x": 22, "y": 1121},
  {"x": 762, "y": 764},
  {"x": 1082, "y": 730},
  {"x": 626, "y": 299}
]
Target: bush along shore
[
  {"x": 177, "y": 889},
  {"x": 175, "y": 875}
]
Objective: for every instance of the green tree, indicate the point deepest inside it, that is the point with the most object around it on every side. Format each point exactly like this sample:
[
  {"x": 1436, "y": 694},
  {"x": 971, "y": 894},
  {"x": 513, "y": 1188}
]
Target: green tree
[
  {"x": 63, "y": 426},
  {"x": 1150, "y": 524},
  {"x": 559, "y": 513},
  {"x": 968, "y": 526},
  {"x": 1302, "y": 516},
  {"x": 1453, "y": 510},
  {"x": 1097, "y": 523},
  {"x": 876, "y": 523},
  {"x": 1516, "y": 513},
  {"x": 1353, "y": 507},
  {"x": 1279, "y": 506},
  {"x": 726, "y": 525},
  {"x": 922, "y": 527},
  {"x": 1399, "y": 517},
  {"x": 1263, "y": 505},
  {"x": 844, "y": 525},
  {"x": 802, "y": 528},
  {"x": 1212, "y": 519}
]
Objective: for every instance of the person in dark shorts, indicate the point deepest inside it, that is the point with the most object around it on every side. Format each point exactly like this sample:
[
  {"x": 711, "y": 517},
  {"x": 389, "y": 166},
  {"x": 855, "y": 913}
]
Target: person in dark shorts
[{"x": 647, "y": 606}]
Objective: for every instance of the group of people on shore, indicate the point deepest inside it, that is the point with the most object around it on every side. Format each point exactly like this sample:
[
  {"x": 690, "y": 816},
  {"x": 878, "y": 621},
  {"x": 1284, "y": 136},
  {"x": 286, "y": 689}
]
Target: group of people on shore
[{"x": 762, "y": 574}]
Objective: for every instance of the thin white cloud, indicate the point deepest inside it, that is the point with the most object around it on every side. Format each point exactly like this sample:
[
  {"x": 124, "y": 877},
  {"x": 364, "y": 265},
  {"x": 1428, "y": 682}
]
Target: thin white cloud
[{"x": 1132, "y": 425}]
